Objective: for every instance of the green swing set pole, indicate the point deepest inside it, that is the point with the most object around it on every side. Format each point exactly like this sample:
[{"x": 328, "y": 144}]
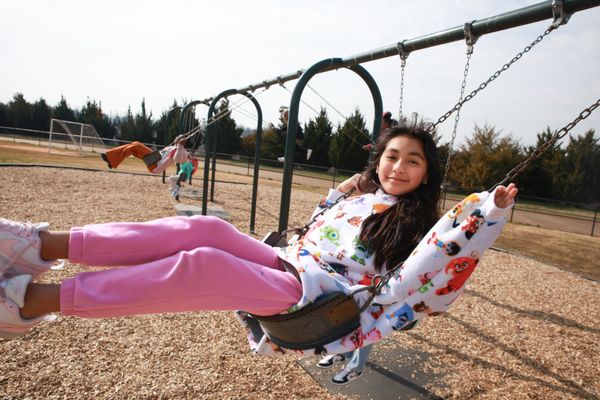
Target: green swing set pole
[
  {"x": 256, "y": 160},
  {"x": 211, "y": 139},
  {"x": 290, "y": 139},
  {"x": 214, "y": 156}
]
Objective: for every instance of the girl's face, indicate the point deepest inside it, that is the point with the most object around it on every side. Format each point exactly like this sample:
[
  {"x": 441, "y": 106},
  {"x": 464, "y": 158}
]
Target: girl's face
[{"x": 402, "y": 166}]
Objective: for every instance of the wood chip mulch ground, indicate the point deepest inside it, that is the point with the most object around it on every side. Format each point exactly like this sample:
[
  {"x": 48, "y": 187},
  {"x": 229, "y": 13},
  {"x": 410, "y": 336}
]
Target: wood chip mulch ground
[{"x": 522, "y": 330}]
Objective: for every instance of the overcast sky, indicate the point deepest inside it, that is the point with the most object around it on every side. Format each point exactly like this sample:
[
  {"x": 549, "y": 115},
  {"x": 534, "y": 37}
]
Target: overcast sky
[{"x": 120, "y": 52}]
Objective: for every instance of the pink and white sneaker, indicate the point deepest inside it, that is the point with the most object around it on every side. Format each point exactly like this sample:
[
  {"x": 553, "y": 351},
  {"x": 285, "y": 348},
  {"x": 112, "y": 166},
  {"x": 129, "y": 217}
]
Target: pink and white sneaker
[
  {"x": 12, "y": 298},
  {"x": 20, "y": 246}
]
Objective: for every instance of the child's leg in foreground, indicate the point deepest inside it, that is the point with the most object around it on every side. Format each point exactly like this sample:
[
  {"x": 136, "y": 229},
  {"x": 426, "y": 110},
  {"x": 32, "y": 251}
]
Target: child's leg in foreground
[
  {"x": 122, "y": 244},
  {"x": 201, "y": 279}
]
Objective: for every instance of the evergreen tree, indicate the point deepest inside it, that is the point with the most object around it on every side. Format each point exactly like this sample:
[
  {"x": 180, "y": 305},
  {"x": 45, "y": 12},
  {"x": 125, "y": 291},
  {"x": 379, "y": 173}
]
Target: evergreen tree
[
  {"x": 40, "y": 115},
  {"x": 345, "y": 151},
  {"x": 63, "y": 111},
  {"x": 20, "y": 112},
  {"x": 582, "y": 158},
  {"x": 108, "y": 128},
  {"x": 91, "y": 114},
  {"x": 538, "y": 178},
  {"x": 4, "y": 115},
  {"x": 317, "y": 136},
  {"x": 228, "y": 135},
  {"x": 144, "y": 127},
  {"x": 126, "y": 127},
  {"x": 167, "y": 125}
]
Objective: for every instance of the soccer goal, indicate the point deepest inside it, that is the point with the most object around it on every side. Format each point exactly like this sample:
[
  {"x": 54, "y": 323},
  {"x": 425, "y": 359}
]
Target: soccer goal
[{"x": 80, "y": 135}]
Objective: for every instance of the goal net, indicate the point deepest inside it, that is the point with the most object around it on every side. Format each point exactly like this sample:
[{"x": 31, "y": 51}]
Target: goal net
[{"x": 78, "y": 135}]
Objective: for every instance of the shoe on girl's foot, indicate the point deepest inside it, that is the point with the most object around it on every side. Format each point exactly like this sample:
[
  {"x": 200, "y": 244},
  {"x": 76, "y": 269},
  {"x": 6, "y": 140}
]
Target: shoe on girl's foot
[
  {"x": 331, "y": 360},
  {"x": 345, "y": 376},
  {"x": 105, "y": 158},
  {"x": 175, "y": 191},
  {"x": 20, "y": 247},
  {"x": 12, "y": 298},
  {"x": 409, "y": 326}
]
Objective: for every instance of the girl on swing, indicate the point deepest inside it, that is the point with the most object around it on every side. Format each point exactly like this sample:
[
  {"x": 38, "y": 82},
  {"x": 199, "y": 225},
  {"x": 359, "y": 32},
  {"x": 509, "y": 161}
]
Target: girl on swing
[
  {"x": 213, "y": 266},
  {"x": 170, "y": 155}
]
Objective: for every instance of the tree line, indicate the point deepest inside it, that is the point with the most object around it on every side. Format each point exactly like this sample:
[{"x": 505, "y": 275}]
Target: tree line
[{"x": 566, "y": 172}]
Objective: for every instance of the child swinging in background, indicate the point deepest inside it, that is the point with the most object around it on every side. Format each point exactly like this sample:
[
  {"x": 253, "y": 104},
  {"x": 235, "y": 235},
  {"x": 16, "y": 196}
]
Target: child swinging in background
[
  {"x": 210, "y": 265},
  {"x": 386, "y": 122},
  {"x": 167, "y": 157},
  {"x": 186, "y": 170}
]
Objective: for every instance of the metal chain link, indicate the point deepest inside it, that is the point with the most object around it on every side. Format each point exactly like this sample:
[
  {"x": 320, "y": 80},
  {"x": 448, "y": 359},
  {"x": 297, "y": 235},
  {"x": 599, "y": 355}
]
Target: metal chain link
[
  {"x": 402, "y": 67},
  {"x": 403, "y": 56},
  {"x": 561, "y": 133},
  {"x": 457, "y": 117},
  {"x": 496, "y": 74}
]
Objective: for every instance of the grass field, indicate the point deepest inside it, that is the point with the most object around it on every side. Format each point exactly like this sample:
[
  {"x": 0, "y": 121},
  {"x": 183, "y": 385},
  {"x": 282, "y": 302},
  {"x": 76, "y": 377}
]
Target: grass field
[{"x": 579, "y": 254}]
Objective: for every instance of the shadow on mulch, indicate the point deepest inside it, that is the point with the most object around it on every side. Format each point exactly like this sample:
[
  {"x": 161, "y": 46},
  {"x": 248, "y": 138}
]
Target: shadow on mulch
[{"x": 393, "y": 373}]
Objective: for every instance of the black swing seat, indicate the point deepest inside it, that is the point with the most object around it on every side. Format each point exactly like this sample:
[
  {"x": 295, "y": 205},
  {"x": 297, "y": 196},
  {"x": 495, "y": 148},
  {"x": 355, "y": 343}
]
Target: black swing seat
[
  {"x": 152, "y": 158},
  {"x": 323, "y": 321},
  {"x": 328, "y": 318}
]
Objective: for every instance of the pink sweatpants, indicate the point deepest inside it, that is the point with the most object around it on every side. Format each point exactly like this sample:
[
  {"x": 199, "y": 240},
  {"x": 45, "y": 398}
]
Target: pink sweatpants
[{"x": 174, "y": 264}]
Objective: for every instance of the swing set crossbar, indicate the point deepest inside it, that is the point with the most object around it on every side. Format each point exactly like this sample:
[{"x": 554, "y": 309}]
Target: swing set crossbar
[{"x": 549, "y": 9}]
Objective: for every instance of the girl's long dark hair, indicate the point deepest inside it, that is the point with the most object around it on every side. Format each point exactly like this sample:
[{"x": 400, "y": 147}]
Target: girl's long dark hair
[{"x": 393, "y": 234}]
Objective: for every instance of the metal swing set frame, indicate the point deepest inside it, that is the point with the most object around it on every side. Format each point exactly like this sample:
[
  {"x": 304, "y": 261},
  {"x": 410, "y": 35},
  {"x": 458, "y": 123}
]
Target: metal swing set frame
[{"x": 336, "y": 314}]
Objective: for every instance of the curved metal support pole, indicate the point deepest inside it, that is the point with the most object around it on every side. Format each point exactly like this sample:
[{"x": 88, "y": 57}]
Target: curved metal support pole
[
  {"x": 182, "y": 115},
  {"x": 377, "y": 101},
  {"x": 256, "y": 160},
  {"x": 210, "y": 138},
  {"x": 290, "y": 140}
]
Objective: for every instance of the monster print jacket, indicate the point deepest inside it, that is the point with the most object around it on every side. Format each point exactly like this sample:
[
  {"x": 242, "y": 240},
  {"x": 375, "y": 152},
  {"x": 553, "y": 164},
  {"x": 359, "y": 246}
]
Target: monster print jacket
[{"x": 330, "y": 257}]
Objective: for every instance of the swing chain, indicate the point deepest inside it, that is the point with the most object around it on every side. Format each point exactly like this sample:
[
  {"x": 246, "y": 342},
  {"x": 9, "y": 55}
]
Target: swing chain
[
  {"x": 403, "y": 56},
  {"x": 470, "y": 42},
  {"x": 551, "y": 142},
  {"x": 496, "y": 74}
]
